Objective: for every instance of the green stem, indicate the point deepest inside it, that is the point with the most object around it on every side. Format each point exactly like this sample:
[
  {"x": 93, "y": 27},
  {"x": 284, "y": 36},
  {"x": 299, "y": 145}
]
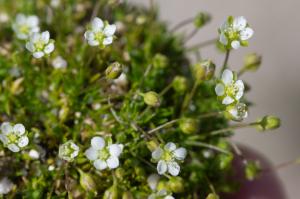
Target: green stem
[
  {"x": 162, "y": 126},
  {"x": 166, "y": 89},
  {"x": 220, "y": 131},
  {"x": 191, "y": 35},
  {"x": 209, "y": 146},
  {"x": 225, "y": 61},
  {"x": 189, "y": 96},
  {"x": 182, "y": 23},
  {"x": 200, "y": 45}
]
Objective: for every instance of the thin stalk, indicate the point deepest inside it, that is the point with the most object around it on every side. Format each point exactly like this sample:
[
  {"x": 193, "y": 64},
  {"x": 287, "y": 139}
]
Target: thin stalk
[
  {"x": 225, "y": 61},
  {"x": 182, "y": 23},
  {"x": 220, "y": 131},
  {"x": 202, "y": 44},
  {"x": 191, "y": 35},
  {"x": 162, "y": 126},
  {"x": 190, "y": 96},
  {"x": 209, "y": 146},
  {"x": 282, "y": 165},
  {"x": 166, "y": 89}
]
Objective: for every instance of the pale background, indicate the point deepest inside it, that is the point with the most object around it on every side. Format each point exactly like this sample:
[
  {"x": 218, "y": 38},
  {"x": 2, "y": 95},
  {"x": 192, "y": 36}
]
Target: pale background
[{"x": 275, "y": 87}]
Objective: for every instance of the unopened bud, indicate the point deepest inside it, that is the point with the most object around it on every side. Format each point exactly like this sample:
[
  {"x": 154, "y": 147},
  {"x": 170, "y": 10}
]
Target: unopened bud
[
  {"x": 16, "y": 87},
  {"x": 120, "y": 173},
  {"x": 162, "y": 185},
  {"x": 204, "y": 70},
  {"x": 202, "y": 19},
  {"x": 152, "y": 145},
  {"x": 151, "y": 98},
  {"x": 180, "y": 84},
  {"x": 113, "y": 71},
  {"x": 160, "y": 61},
  {"x": 268, "y": 122},
  {"x": 252, "y": 170},
  {"x": 189, "y": 125},
  {"x": 127, "y": 195},
  {"x": 176, "y": 184},
  {"x": 252, "y": 62},
  {"x": 212, "y": 196},
  {"x": 87, "y": 182},
  {"x": 111, "y": 193}
]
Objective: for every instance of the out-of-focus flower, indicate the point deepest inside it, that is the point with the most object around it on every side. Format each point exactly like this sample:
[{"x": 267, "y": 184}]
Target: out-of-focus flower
[
  {"x": 55, "y": 3},
  {"x": 100, "y": 33},
  {"x": 5, "y": 186},
  {"x": 167, "y": 158},
  {"x": 13, "y": 137},
  {"x": 24, "y": 26},
  {"x": 104, "y": 155},
  {"x": 235, "y": 32},
  {"x": 68, "y": 151},
  {"x": 34, "y": 154},
  {"x": 161, "y": 194},
  {"x": 4, "y": 17},
  {"x": 237, "y": 112},
  {"x": 229, "y": 89},
  {"x": 40, "y": 44},
  {"x": 59, "y": 63}
]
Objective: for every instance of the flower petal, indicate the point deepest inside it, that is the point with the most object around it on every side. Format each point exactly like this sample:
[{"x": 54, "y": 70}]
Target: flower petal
[
  {"x": 180, "y": 153},
  {"x": 107, "y": 40},
  {"x": 110, "y": 30},
  {"x": 97, "y": 24},
  {"x": 13, "y": 148},
  {"x": 93, "y": 42},
  {"x": 89, "y": 35},
  {"x": 173, "y": 168},
  {"x": 45, "y": 36},
  {"x": 38, "y": 54},
  {"x": 115, "y": 149},
  {"x": 112, "y": 162},
  {"x": 4, "y": 139},
  {"x": 227, "y": 100},
  {"x": 162, "y": 167},
  {"x": 23, "y": 141},
  {"x": 152, "y": 181},
  {"x": 49, "y": 48},
  {"x": 246, "y": 34},
  {"x": 157, "y": 153},
  {"x": 32, "y": 21},
  {"x": 6, "y": 128},
  {"x": 227, "y": 77},
  {"x": 223, "y": 39},
  {"x": 29, "y": 46},
  {"x": 19, "y": 129},
  {"x": 170, "y": 146},
  {"x": 100, "y": 164},
  {"x": 235, "y": 44},
  {"x": 220, "y": 90},
  {"x": 91, "y": 153},
  {"x": 97, "y": 143},
  {"x": 239, "y": 23}
]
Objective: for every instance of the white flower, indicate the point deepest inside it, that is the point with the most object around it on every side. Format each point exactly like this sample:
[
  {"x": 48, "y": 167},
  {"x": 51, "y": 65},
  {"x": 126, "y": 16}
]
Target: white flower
[
  {"x": 55, "y": 3},
  {"x": 68, "y": 151},
  {"x": 161, "y": 194},
  {"x": 25, "y": 26},
  {"x": 237, "y": 112},
  {"x": 167, "y": 158},
  {"x": 229, "y": 89},
  {"x": 5, "y": 186},
  {"x": 152, "y": 181},
  {"x": 13, "y": 137},
  {"x": 59, "y": 63},
  {"x": 40, "y": 44},
  {"x": 100, "y": 33},
  {"x": 34, "y": 154},
  {"x": 104, "y": 155},
  {"x": 235, "y": 32}
]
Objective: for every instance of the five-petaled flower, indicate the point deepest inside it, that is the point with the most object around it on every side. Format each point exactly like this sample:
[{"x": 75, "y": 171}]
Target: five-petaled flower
[
  {"x": 25, "y": 26},
  {"x": 229, "y": 90},
  {"x": 13, "y": 137},
  {"x": 167, "y": 158},
  {"x": 68, "y": 151},
  {"x": 100, "y": 33},
  {"x": 235, "y": 32},
  {"x": 40, "y": 44},
  {"x": 237, "y": 112},
  {"x": 104, "y": 155}
]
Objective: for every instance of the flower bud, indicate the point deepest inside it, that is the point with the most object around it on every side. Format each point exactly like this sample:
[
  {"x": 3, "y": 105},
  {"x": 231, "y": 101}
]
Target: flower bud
[
  {"x": 268, "y": 122},
  {"x": 204, "y": 70},
  {"x": 236, "y": 112},
  {"x": 176, "y": 184},
  {"x": 189, "y": 125},
  {"x": 252, "y": 170},
  {"x": 180, "y": 84},
  {"x": 120, "y": 173},
  {"x": 16, "y": 87},
  {"x": 212, "y": 196},
  {"x": 111, "y": 193},
  {"x": 162, "y": 185},
  {"x": 86, "y": 181},
  {"x": 113, "y": 71},
  {"x": 160, "y": 61},
  {"x": 127, "y": 195},
  {"x": 152, "y": 145},
  {"x": 252, "y": 62},
  {"x": 151, "y": 98},
  {"x": 201, "y": 19}
]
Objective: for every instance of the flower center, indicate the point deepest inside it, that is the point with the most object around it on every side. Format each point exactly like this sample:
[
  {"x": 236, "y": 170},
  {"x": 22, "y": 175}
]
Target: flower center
[
  {"x": 99, "y": 36},
  {"x": 103, "y": 154},
  {"x": 12, "y": 137},
  {"x": 167, "y": 156},
  {"x": 39, "y": 45},
  {"x": 231, "y": 90},
  {"x": 24, "y": 29}
]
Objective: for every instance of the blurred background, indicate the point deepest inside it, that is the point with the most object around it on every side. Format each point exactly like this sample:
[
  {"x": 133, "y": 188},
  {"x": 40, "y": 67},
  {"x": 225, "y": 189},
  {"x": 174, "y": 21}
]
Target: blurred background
[{"x": 275, "y": 86}]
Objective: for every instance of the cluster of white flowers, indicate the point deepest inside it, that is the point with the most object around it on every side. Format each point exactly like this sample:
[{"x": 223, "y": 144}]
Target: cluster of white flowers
[
  {"x": 104, "y": 155},
  {"x": 68, "y": 151},
  {"x": 25, "y": 26},
  {"x": 167, "y": 158},
  {"x": 235, "y": 32},
  {"x": 100, "y": 33},
  {"x": 13, "y": 137},
  {"x": 230, "y": 90}
]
